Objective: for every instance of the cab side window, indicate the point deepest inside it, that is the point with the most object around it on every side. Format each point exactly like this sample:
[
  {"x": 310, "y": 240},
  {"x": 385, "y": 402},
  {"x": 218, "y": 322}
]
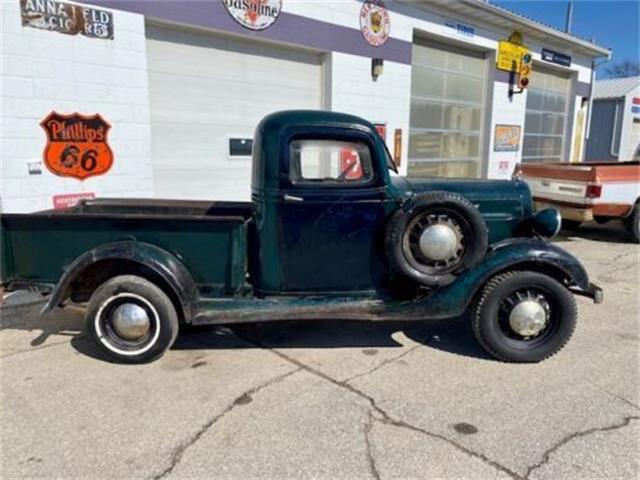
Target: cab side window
[{"x": 330, "y": 162}]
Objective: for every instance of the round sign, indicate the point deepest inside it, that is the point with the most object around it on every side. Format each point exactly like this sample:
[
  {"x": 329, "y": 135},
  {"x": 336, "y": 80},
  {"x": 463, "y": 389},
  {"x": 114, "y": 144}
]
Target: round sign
[
  {"x": 254, "y": 14},
  {"x": 374, "y": 22}
]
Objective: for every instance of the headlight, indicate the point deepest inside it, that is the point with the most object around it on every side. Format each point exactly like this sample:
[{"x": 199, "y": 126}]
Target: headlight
[{"x": 546, "y": 222}]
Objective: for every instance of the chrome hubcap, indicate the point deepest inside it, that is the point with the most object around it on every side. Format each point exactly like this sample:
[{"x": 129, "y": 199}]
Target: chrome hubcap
[
  {"x": 433, "y": 242},
  {"x": 529, "y": 317},
  {"x": 439, "y": 242},
  {"x": 130, "y": 321}
]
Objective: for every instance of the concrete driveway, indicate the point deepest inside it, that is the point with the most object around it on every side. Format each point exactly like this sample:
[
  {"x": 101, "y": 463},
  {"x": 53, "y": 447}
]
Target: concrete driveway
[{"x": 331, "y": 399}]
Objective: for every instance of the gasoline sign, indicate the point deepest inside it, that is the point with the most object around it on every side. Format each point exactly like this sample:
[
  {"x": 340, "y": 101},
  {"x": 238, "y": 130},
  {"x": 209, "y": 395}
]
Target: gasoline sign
[
  {"x": 77, "y": 145},
  {"x": 254, "y": 14}
]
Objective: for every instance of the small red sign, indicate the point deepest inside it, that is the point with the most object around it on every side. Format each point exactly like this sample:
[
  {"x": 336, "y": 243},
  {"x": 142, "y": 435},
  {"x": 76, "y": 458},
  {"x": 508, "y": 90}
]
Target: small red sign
[
  {"x": 350, "y": 163},
  {"x": 70, "y": 200},
  {"x": 636, "y": 100},
  {"x": 381, "y": 128},
  {"x": 77, "y": 145}
]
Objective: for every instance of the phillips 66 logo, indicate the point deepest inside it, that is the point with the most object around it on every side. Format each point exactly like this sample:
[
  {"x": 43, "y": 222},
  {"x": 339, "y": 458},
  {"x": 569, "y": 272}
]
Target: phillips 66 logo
[{"x": 77, "y": 145}]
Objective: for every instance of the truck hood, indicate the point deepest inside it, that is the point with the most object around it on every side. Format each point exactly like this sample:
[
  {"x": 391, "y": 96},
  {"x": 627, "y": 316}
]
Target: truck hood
[{"x": 504, "y": 204}]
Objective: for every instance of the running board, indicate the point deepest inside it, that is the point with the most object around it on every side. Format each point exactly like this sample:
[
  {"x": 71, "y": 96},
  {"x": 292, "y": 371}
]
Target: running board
[{"x": 235, "y": 310}]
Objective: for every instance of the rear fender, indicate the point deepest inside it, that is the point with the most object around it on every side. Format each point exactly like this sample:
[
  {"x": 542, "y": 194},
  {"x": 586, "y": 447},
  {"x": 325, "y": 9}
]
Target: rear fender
[
  {"x": 514, "y": 254},
  {"x": 162, "y": 263}
]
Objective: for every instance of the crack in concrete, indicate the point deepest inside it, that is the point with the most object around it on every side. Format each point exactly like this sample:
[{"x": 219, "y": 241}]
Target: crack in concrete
[
  {"x": 546, "y": 457},
  {"x": 622, "y": 255},
  {"x": 178, "y": 452},
  {"x": 618, "y": 269},
  {"x": 367, "y": 439},
  {"x": 615, "y": 395},
  {"x": 382, "y": 364},
  {"x": 385, "y": 417}
]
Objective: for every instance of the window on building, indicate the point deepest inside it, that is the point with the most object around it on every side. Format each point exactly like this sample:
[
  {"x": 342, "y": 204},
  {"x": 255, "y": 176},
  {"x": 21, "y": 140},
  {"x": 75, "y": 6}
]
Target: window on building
[
  {"x": 330, "y": 161},
  {"x": 447, "y": 105},
  {"x": 240, "y": 147},
  {"x": 546, "y": 117}
]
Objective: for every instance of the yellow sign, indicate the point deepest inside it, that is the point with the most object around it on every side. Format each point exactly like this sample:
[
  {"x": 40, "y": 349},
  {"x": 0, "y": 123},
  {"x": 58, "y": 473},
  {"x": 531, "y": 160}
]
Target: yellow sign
[{"x": 509, "y": 55}]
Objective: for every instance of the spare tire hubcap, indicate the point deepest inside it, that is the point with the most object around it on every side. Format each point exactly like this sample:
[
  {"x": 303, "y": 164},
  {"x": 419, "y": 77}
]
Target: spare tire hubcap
[{"x": 439, "y": 242}]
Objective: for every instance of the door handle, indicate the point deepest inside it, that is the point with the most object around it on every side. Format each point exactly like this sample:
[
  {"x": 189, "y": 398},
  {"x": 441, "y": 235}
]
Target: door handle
[{"x": 292, "y": 198}]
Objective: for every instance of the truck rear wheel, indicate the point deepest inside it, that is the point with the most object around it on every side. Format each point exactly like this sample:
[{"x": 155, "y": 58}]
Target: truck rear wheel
[
  {"x": 437, "y": 236},
  {"x": 524, "y": 317},
  {"x": 632, "y": 223},
  {"x": 131, "y": 319}
]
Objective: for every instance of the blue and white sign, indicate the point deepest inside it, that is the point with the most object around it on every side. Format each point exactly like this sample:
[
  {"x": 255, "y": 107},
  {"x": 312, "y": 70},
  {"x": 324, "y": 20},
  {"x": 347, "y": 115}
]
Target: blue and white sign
[
  {"x": 460, "y": 29},
  {"x": 555, "y": 57}
]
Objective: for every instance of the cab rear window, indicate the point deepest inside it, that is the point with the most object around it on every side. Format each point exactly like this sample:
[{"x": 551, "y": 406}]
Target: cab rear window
[{"x": 330, "y": 161}]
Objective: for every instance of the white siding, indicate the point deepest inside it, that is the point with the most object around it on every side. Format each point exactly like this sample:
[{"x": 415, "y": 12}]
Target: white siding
[
  {"x": 204, "y": 88},
  {"x": 44, "y": 71},
  {"x": 386, "y": 100}
]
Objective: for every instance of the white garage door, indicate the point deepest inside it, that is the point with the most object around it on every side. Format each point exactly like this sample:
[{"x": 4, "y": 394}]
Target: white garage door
[{"x": 205, "y": 90}]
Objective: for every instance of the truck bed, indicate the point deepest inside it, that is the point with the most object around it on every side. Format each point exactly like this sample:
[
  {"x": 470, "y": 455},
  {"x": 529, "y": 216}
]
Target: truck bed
[{"x": 210, "y": 238}]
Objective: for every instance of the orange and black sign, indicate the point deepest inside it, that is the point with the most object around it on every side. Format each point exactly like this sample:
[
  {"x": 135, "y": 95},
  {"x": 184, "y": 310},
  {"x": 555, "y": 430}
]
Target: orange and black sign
[{"x": 77, "y": 145}]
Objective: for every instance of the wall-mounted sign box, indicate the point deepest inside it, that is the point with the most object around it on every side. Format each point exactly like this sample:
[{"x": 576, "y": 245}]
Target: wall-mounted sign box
[
  {"x": 507, "y": 138},
  {"x": 555, "y": 57},
  {"x": 63, "y": 17},
  {"x": 509, "y": 56}
]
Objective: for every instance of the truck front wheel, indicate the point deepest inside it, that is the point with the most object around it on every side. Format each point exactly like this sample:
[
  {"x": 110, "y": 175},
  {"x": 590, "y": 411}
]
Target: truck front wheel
[
  {"x": 524, "y": 317},
  {"x": 131, "y": 319}
]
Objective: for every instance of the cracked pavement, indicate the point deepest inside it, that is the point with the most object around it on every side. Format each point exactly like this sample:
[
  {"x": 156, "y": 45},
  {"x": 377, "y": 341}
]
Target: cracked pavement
[{"x": 333, "y": 399}]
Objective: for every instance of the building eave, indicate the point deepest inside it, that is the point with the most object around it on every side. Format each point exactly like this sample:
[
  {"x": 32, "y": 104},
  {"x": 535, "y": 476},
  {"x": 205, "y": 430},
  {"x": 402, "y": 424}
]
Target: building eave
[{"x": 481, "y": 10}]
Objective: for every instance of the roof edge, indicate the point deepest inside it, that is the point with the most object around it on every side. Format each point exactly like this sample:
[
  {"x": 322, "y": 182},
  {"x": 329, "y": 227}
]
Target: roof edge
[{"x": 544, "y": 29}]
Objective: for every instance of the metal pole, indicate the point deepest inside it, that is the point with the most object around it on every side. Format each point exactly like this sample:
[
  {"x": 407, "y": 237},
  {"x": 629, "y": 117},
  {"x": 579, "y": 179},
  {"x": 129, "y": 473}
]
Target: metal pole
[{"x": 567, "y": 27}]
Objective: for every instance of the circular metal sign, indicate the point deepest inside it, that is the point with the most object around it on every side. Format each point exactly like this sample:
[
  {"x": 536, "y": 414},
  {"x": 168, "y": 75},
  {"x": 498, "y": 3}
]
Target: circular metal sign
[
  {"x": 254, "y": 14},
  {"x": 374, "y": 22}
]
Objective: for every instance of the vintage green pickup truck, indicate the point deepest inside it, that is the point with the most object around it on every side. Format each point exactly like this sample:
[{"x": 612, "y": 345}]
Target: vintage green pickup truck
[{"x": 331, "y": 232}]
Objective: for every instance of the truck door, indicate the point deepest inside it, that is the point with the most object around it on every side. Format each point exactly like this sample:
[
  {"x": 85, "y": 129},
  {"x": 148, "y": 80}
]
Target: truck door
[{"x": 332, "y": 214}]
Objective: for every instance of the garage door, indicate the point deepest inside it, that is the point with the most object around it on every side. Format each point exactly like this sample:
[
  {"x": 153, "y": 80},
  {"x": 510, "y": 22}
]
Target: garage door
[
  {"x": 207, "y": 93},
  {"x": 546, "y": 120},
  {"x": 447, "y": 103}
]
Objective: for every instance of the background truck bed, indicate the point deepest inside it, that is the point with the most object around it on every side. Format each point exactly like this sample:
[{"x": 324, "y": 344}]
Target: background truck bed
[
  {"x": 209, "y": 238},
  {"x": 583, "y": 191}
]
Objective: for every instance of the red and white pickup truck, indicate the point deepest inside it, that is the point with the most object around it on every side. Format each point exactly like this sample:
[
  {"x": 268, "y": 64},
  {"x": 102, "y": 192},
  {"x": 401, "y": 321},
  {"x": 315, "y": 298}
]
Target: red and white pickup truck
[{"x": 587, "y": 191}]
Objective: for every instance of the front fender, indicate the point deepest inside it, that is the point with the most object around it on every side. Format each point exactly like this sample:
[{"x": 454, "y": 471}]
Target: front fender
[
  {"x": 161, "y": 262},
  {"x": 524, "y": 253}
]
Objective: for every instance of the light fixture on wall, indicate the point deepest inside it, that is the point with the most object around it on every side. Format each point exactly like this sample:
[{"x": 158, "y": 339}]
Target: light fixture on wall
[{"x": 377, "y": 67}]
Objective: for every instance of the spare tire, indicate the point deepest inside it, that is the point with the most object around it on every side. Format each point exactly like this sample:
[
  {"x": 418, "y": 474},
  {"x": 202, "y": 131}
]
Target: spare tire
[{"x": 436, "y": 236}]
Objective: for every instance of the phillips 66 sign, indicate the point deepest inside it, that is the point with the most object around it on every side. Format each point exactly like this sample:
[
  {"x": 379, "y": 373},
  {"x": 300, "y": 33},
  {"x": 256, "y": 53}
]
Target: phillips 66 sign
[{"x": 77, "y": 145}]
